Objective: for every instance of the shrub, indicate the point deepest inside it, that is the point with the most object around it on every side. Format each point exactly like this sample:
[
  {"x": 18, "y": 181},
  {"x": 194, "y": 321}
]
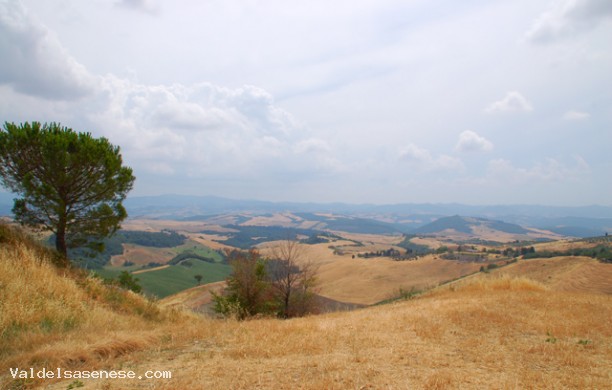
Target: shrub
[{"x": 127, "y": 281}]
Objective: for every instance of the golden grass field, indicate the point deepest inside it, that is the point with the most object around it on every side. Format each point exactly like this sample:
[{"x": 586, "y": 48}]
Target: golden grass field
[
  {"x": 63, "y": 318},
  {"x": 508, "y": 333},
  {"x": 569, "y": 273},
  {"x": 565, "y": 245},
  {"x": 141, "y": 255},
  {"x": 196, "y": 298},
  {"x": 368, "y": 281},
  {"x": 499, "y": 330}
]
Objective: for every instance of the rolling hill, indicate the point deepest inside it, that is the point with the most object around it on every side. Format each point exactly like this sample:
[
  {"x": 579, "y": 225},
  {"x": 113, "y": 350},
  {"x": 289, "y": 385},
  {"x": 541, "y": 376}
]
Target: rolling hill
[
  {"x": 464, "y": 228},
  {"x": 533, "y": 324},
  {"x": 575, "y": 221},
  {"x": 489, "y": 333},
  {"x": 568, "y": 273}
]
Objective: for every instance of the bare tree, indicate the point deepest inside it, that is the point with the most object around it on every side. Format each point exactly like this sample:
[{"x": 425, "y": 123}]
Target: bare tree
[{"x": 292, "y": 277}]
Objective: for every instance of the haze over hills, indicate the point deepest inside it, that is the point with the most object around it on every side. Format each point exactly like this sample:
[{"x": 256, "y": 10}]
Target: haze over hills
[
  {"x": 188, "y": 205},
  {"x": 576, "y": 221}
]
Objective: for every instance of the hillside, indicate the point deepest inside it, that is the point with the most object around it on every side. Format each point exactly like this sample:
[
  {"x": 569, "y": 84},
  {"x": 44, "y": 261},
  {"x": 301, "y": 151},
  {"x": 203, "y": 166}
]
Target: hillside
[
  {"x": 465, "y": 228},
  {"x": 495, "y": 330},
  {"x": 574, "y": 221},
  {"x": 200, "y": 300},
  {"x": 59, "y": 317},
  {"x": 569, "y": 273},
  {"x": 197, "y": 299},
  {"x": 484, "y": 334}
]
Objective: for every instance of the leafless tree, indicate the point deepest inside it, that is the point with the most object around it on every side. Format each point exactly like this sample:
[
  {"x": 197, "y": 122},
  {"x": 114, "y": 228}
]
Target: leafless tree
[{"x": 293, "y": 280}]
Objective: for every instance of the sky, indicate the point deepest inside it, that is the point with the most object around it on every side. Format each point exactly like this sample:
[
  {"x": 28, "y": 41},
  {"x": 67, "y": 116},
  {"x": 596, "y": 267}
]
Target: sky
[{"x": 382, "y": 101}]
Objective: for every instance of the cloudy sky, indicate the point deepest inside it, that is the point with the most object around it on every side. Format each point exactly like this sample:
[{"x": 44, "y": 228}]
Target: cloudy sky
[{"x": 382, "y": 101}]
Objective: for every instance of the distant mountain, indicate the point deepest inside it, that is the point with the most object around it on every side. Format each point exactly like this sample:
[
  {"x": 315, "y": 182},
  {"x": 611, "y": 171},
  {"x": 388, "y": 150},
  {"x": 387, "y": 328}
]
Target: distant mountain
[
  {"x": 579, "y": 221},
  {"x": 185, "y": 204},
  {"x": 371, "y": 218},
  {"x": 354, "y": 224},
  {"x": 467, "y": 225},
  {"x": 577, "y": 226}
]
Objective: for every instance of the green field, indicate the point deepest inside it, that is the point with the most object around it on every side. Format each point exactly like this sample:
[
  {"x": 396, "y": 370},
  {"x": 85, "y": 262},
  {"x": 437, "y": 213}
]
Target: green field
[
  {"x": 176, "y": 278},
  {"x": 198, "y": 249}
]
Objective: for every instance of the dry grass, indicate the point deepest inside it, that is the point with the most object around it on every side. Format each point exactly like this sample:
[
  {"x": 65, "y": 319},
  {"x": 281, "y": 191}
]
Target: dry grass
[
  {"x": 368, "y": 281},
  {"x": 564, "y": 245},
  {"x": 61, "y": 318},
  {"x": 142, "y": 255},
  {"x": 198, "y": 299},
  {"x": 483, "y": 332},
  {"x": 277, "y": 219},
  {"x": 497, "y": 333},
  {"x": 156, "y": 225},
  {"x": 568, "y": 273}
]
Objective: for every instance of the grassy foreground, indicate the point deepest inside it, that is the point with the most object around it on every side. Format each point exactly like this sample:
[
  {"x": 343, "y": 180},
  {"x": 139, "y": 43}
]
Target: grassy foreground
[
  {"x": 508, "y": 332},
  {"x": 503, "y": 333},
  {"x": 58, "y": 317}
]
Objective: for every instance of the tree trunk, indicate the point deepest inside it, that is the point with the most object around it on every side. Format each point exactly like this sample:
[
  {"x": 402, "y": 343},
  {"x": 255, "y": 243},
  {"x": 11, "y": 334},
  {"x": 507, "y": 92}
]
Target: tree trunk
[
  {"x": 287, "y": 297},
  {"x": 60, "y": 237}
]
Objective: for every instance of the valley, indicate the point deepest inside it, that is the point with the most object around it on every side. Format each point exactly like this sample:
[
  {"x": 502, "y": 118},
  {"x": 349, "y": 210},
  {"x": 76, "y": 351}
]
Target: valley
[
  {"x": 449, "y": 306},
  {"x": 349, "y": 252}
]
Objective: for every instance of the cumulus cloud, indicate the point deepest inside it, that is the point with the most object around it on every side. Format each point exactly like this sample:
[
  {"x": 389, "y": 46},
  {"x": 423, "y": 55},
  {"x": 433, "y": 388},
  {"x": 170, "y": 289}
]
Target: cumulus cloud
[
  {"x": 574, "y": 115},
  {"x": 422, "y": 159},
  {"x": 33, "y": 60},
  {"x": 198, "y": 129},
  {"x": 568, "y": 18},
  {"x": 512, "y": 102},
  {"x": 470, "y": 141},
  {"x": 193, "y": 131}
]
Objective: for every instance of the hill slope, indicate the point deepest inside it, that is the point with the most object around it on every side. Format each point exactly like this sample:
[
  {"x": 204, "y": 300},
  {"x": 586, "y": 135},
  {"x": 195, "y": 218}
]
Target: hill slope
[
  {"x": 461, "y": 228},
  {"x": 568, "y": 273},
  {"x": 56, "y": 317},
  {"x": 481, "y": 333},
  {"x": 485, "y": 334}
]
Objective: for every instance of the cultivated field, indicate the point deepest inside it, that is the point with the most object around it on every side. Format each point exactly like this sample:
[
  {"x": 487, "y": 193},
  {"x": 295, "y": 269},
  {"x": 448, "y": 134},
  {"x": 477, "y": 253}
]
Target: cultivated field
[
  {"x": 368, "y": 281},
  {"x": 141, "y": 255}
]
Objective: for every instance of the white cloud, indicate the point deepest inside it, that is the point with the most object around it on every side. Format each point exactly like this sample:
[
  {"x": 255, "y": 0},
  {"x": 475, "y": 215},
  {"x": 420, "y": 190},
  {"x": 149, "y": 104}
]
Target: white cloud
[
  {"x": 549, "y": 170},
  {"x": 187, "y": 130},
  {"x": 512, "y": 102},
  {"x": 147, "y": 6},
  {"x": 574, "y": 115},
  {"x": 33, "y": 60},
  {"x": 312, "y": 145},
  {"x": 364, "y": 81},
  {"x": 423, "y": 160},
  {"x": 198, "y": 129},
  {"x": 470, "y": 141},
  {"x": 568, "y": 18},
  {"x": 413, "y": 153}
]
